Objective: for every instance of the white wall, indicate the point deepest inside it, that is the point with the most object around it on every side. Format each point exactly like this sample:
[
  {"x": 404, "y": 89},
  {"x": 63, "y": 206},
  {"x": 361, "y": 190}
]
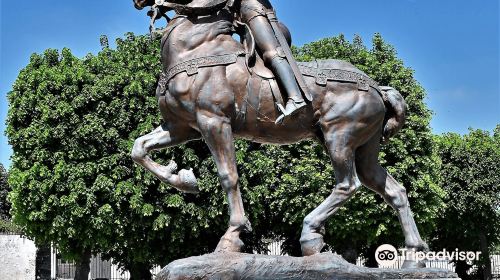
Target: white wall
[{"x": 17, "y": 258}]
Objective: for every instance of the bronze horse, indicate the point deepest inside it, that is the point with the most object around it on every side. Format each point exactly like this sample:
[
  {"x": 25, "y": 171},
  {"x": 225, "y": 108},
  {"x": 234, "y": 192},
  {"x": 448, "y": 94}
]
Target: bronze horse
[{"x": 208, "y": 91}]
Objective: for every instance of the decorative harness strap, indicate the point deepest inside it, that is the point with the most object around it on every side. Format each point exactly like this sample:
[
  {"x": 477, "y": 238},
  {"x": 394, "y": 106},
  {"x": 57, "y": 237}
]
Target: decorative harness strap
[
  {"x": 191, "y": 66},
  {"x": 324, "y": 75}
]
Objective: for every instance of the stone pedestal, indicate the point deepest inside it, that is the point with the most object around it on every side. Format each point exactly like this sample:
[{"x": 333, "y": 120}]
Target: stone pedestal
[{"x": 229, "y": 266}]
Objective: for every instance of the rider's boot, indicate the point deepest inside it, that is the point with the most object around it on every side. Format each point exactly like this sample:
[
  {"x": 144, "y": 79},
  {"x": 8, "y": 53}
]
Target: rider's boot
[{"x": 285, "y": 76}]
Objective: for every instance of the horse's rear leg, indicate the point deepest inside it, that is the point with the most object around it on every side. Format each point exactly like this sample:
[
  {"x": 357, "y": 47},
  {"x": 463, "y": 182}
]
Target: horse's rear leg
[
  {"x": 217, "y": 132},
  {"x": 375, "y": 177},
  {"x": 162, "y": 137},
  {"x": 341, "y": 144}
]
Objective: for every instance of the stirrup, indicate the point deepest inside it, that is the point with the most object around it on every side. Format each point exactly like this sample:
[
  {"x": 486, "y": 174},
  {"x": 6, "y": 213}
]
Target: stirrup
[{"x": 291, "y": 111}]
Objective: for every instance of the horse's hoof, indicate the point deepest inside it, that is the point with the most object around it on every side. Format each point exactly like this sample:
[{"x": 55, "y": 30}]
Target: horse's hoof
[
  {"x": 243, "y": 225},
  {"x": 172, "y": 167},
  {"x": 311, "y": 244},
  {"x": 423, "y": 247},
  {"x": 412, "y": 264},
  {"x": 229, "y": 245},
  {"x": 248, "y": 227},
  {"x": 189, "y": 184},
  {"x": 410, "y": 260}
]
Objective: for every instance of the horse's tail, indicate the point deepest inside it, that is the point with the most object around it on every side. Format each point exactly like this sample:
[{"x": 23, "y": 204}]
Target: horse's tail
[{"x": 395, "y": 115}]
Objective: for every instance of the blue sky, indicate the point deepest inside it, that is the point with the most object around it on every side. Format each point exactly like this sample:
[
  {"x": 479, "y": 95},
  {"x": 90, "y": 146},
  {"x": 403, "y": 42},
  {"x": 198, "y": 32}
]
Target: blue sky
[{"x": 453, "y": 45}]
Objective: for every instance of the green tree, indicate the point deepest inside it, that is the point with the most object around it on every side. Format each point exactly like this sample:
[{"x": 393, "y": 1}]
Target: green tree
[{"x": 470, "y": 175}]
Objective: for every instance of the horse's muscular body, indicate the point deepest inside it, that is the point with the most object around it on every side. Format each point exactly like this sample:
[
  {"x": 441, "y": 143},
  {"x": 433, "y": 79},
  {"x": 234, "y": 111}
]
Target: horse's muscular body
[
  {"x": 187, "y": 94},
  {"x": 348, "y": 121}
]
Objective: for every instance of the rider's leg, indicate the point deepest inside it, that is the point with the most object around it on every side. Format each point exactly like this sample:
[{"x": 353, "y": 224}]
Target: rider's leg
[{"x": 274, "y": 58}]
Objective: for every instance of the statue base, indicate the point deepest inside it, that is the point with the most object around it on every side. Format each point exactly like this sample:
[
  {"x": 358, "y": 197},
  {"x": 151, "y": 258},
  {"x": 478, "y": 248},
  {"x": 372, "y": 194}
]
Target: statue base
[{"x": 229, "y": 266}]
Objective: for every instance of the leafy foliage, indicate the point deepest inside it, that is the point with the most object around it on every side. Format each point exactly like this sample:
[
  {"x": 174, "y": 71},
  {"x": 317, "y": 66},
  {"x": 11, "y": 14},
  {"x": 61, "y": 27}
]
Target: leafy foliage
[
  {"x": 6, "y": 224},
  {"x": 9, "y": 227},
  {"x": 72, "y": 123},
  {"x": 471, "y": 178},
  {"x": 4, "y": 190}
]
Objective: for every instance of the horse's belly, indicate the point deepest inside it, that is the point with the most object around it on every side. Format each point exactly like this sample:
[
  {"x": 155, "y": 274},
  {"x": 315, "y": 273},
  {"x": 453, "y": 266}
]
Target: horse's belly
[
  {"x": 295, "y": 129},
  {"x": 284, "y": 138}
]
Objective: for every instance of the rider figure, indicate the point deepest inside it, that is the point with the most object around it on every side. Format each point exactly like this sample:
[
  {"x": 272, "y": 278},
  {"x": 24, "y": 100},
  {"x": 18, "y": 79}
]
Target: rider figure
[{"x": 254, "y": 14}]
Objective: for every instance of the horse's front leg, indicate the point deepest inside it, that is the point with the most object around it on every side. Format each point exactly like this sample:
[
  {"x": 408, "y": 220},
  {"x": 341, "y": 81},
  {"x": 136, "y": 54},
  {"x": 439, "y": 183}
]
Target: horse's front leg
[
  {"x": 162, "y": 137},
  {"x": 217, "y": 132}
]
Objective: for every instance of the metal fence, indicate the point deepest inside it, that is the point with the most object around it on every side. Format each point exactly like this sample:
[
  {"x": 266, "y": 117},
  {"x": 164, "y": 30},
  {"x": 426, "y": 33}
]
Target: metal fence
[
  {"x": 495, "y": 266},
  {"x": 99, "y": 269}
]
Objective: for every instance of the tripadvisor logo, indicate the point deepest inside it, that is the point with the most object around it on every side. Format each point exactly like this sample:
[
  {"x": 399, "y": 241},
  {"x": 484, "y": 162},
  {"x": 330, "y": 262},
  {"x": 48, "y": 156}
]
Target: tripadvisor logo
[{"x": 387, "y": 255}]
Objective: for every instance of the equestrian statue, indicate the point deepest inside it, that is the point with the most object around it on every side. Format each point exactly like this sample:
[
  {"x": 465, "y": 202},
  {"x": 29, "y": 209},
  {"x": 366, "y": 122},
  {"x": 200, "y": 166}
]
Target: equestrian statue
[{"x": 215, "y": 88}]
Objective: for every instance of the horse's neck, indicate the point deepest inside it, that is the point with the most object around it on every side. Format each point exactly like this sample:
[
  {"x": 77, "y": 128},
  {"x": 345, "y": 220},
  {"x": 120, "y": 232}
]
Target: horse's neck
[{"x": 169, "y": 29}]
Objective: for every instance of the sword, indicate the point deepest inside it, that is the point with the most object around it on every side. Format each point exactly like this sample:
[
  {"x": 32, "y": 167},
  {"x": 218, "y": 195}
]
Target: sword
[{"x": 288, "y": 54}]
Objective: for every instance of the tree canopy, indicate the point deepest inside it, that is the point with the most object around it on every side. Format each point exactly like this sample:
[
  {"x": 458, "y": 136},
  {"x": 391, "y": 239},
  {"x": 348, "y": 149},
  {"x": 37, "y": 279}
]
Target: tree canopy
[
  {"x": 72, "y": 123},
  {"x": 470, "y": 175}
]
